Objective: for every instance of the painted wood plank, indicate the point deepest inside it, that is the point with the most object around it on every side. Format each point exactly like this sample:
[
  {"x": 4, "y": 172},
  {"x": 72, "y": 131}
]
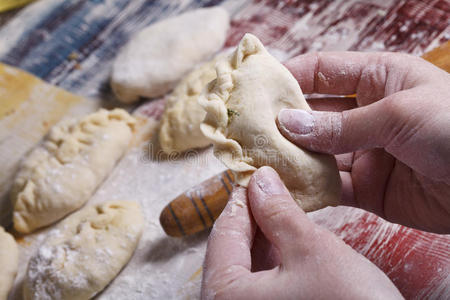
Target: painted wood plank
[{"x": 72, "y": 44}]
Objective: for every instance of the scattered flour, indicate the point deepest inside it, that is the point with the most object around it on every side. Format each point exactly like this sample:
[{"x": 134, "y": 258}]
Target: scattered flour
[{"x": 48, "y": 263}]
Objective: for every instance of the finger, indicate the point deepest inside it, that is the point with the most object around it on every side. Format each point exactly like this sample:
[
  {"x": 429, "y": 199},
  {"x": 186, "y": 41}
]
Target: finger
[
  {"x": 332, "y": 103},
  {"x": 346, "y": 73},
  {"x": 369, "y": 185},
  {"x": 264, "y": 254},
  {"x": 281, "y": 220},
  {"x": 330, "y": 72},
  {"x": 270, "y": 284},
  {"x": 230, "y": 241},
  {"x": 344, "y": 161},
  {"x": 347, "y": 195},
  {"x": 371, "y": 126}
]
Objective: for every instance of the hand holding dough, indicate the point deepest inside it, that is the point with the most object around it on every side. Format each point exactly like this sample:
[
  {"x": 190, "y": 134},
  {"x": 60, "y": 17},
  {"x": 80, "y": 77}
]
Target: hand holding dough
[
  {"x": 9, "y": 262},
  {"x": 242, "y": 105},
  {"x": 85, "y": 252},
  {"x": 61, "y": 174},
  {"x": 154, "y": 59}
]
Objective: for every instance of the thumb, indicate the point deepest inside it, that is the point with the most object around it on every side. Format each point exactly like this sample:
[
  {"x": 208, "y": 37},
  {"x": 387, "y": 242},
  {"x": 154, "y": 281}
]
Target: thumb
[
  {"x": 341, "y": 132},
  {"x": 281, "y": 220}
]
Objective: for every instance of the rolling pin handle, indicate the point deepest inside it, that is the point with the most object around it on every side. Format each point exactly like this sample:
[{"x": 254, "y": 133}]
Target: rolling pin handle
[{"x": 197, "y": 209}]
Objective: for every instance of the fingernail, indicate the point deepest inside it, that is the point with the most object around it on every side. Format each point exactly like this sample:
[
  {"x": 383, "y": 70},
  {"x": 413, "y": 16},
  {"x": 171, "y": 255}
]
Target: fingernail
[
  {"x": 297, "y": 121},
  {"x": 269, "y": 182}
]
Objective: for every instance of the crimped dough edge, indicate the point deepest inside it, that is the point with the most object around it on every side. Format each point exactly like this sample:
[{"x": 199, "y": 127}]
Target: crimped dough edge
[{"x": 214, "y": 102}]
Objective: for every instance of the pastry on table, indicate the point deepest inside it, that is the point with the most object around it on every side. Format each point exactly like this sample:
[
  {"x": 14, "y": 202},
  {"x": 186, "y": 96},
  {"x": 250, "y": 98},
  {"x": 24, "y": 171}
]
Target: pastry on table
[
  {"x": 9, "y": 262},
  {"x": 180, "y": 123},
  {"x": 158, "y": 56},
  {"x": 61, "y": 174},
  {"x": 84, "y": 253}
]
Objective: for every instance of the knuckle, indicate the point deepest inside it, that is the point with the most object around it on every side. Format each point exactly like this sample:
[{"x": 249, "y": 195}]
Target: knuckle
[
  {"x": 336, "y": 124},
  {"x": 330, "y": 132},
  {"x": 220, "y": 283},
  {"x": 397, "y": 114},
  {"x": 318, "y": 238},
  {"x": 394, "y": 109},
  {"x": 389, "y": 58},
  {"x": 326, "y": 132}
]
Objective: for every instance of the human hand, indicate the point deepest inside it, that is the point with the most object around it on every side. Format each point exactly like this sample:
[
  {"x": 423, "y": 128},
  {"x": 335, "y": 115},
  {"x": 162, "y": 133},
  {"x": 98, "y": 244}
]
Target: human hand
[
  {"x": 395, "y": 145},
  {"x": 305, "y": 262}
]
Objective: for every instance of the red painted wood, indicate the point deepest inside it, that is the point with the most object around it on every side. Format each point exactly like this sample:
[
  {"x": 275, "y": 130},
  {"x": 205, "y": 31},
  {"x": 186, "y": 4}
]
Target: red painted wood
[{"x": 417, "y": 262}]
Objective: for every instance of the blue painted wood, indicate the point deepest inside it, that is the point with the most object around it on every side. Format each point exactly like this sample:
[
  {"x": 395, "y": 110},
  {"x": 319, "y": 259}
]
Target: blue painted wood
[{"x": 74, "y": 42}]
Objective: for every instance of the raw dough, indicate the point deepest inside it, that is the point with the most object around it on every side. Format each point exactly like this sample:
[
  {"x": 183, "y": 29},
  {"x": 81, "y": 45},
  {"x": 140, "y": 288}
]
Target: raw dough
[
  {"x": 60, "y": 175},
  {"x": 242, "y": 105},
  {"x": 180, "y": 124},
  {"x": 154, "y": 59},
  {"x": 84, "y": 252},
  {"x": 9, "y": 262}
]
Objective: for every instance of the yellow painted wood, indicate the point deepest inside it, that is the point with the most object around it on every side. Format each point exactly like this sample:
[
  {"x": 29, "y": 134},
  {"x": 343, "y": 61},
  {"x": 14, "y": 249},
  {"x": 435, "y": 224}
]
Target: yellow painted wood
[
  {"x": 6, "y": 5},
  {"x": 440, "y": 56},
  {"x": 29, "y": 107}
]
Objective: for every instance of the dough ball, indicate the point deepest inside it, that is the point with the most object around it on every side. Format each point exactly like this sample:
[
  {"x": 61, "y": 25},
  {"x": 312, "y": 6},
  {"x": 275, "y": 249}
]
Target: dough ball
[
  {"x": 61, "y": 174},
  {"x": 242, "y": 105},
  {"x": 154, "y": 59},
  {"x": 84, "y": 252},
  {"x": 9, "y": 262}
]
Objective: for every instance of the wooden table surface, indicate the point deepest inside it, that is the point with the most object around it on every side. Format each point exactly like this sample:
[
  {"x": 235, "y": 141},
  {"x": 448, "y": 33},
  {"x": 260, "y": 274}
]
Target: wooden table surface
[{"x": 72, "y": 44}]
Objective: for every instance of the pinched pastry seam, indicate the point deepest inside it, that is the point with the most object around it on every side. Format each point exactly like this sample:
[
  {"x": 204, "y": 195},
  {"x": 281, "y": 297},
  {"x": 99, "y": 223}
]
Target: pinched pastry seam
[{"x": 214, "y": 102}]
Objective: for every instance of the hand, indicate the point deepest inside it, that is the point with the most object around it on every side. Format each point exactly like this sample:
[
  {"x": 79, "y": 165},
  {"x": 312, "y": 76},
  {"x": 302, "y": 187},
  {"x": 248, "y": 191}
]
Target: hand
[
  {"x": 395, "y": 144},
  {"x": 305, "y": 262}
]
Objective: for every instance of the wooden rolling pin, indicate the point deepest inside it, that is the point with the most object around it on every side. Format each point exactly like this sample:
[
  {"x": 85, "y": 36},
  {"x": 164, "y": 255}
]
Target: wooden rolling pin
[{"x": 197, "y": 208}]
